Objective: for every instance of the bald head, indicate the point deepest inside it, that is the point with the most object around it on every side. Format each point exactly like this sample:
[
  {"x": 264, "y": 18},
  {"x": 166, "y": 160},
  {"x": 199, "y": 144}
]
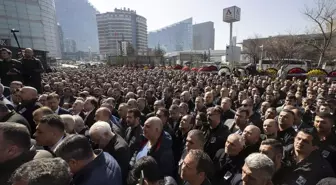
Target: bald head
[
  {"x": 270, "y": 127},
  {"x": 28, "y": 93},
  {"x": 251, "y": 134},
  {"x": 28, "y": 53},
  {"x": 103, "y": 114},
  {"x": 185, "y": 96},
  {"x": 153, "y": 129},
  {"x": 156, "y": 122}
]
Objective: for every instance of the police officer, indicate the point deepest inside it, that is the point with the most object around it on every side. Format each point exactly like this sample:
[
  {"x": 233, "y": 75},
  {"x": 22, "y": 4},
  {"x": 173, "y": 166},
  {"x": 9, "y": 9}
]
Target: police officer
[
  {"x": 10, "y": 69},
  {"x": 217, "y": 134},
  {"x": 286, "y": 131},
  {"x": 229, "y": 161},
  {"x": 31, "y": 70},
  {"x": 305, "y": 164},
  {"x": 323, "y": 123}
]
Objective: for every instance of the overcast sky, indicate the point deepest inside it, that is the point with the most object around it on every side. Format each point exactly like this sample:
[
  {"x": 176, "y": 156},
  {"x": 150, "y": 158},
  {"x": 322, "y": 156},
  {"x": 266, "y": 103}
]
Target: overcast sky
[{"x": 262, "y": 17}]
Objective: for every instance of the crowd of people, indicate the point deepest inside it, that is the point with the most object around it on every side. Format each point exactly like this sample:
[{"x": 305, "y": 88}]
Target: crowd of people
[{"x": 127, "y": 126}]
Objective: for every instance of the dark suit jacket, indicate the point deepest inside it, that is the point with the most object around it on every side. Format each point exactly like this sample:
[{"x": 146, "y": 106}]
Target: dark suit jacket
[
  {"x": 118, "y": 148},
  {"x": 134, "y": 138},
  {"x": 229, "y": 114},
  {"x": 62, "y": 111},
  {"x": 27, "y": 112},
  {"x": 90, "y": 118},
  {"x": 16, "y": 118}
]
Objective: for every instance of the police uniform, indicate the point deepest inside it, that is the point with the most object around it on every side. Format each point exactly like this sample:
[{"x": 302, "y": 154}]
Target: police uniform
[
  {"x": 215, "y": 139},
  {"x": 286, "y": 137},
  {"x": 226, "y": 167},
  {"x": 307, "y": 172},
  {"x": 327, "y": 148}
]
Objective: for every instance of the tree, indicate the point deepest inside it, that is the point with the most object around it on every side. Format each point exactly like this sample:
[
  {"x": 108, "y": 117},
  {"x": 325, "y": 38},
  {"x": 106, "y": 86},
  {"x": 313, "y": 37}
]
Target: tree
[
  {"x": 252, "y": 49},
  {"x": 280, "y": 48},
  {"x": 323, "y": 15},
  {"x": 159, "y": 53},
  {"x": 130, "y": 50}
]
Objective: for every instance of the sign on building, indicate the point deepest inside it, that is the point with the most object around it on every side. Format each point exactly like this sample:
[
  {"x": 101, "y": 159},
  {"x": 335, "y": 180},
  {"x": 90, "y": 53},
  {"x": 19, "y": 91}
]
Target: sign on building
[
  {"x": 4, "y": 42},
  {"x": 231, "y": 14}
]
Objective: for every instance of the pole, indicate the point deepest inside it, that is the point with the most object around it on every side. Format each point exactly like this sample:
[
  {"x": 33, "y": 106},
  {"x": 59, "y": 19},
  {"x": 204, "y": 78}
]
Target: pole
[
  {"x": 17, "y": 41},
  {"x": 261, "y": 57},
  {"x": 231, "y": 27}
]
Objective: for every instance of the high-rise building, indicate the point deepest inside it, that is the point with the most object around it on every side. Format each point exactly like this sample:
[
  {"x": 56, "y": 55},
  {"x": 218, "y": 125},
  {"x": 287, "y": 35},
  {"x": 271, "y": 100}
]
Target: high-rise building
[
  {"x": 70, "y": 46},
  {"x": 61, "y": 37},
  {"x": 176, "y": 37},
  {"x": 204, "y": 36},
  {"x": 121, "y": 25},
  {"x": 78, "y": 20},
  {"x": 36, "y": 22}
]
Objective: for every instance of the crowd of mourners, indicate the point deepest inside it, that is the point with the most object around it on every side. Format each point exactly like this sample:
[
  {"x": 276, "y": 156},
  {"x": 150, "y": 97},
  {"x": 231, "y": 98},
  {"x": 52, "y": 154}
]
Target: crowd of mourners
[{"x": 127, "y": 126}]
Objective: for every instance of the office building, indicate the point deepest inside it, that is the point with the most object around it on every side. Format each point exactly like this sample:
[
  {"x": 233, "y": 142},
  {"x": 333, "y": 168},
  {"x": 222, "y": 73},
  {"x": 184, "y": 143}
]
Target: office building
[
  {"x": 61, "y": 37},
  {"x": 204, "y": 36},
  {"x": 36, "y": 21},
  {"x": 78, "y": 21},
  {"x": 70, "y": 46},
  {"x": 121, "y": 25},
  {"x": 176, "y": 37}
]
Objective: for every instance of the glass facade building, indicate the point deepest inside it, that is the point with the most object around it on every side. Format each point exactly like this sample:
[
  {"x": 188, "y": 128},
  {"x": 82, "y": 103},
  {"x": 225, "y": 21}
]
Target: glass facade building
[
  {"x": 78, "y": 21},
  {"x": 121, "y": 25},
  {"x": 176, "y": 37},
  {"x": 204, "y": 36},
  {"x": 36, "y": 21}
]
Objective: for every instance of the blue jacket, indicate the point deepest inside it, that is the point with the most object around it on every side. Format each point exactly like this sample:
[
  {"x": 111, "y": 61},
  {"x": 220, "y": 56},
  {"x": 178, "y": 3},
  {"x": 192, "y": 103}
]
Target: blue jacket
[
  {"x": 103, "y": 170},
  {"x": 115, "y": 120},
  {"x": 162, "y": 153}
]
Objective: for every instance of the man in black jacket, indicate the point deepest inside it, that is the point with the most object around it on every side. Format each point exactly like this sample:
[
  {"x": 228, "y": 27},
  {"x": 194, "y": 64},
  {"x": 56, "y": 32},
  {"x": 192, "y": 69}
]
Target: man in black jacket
[
  {"x": 10, "y": 69},
  {"x": 28, "y": 105},
  {"x": 286, "y": 131},
  {"x": 102, "y": 135},
  {"x": 217, "y": 134},
  {"x": 31, "y": 70},
  {"x": 14, "y": 149},
  {"x": 134, "y": 131},
  {"x": 7, "y": 115}
]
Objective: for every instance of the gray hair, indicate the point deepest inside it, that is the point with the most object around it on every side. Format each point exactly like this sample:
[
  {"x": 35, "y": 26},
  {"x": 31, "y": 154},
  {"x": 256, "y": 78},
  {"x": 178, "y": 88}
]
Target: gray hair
[
  {"x": 261, "y": 162},
  {"x": 54, "y": 171},
  {"x": 240, "y": 138},
  {"x": 79, "y": 123}
]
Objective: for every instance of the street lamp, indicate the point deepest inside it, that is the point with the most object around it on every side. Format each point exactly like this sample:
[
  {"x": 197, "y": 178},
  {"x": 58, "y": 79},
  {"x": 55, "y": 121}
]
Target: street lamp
[{"x": 14, "y": 31}]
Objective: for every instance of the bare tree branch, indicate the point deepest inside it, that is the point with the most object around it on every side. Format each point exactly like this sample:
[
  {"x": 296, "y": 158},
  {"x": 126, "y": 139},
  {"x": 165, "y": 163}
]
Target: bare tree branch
[{"x": 322, "y": 15}]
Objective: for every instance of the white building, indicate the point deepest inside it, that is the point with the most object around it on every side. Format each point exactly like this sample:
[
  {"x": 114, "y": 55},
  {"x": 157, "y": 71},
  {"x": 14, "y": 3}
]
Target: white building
[{"x": 121, "y": 25}]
